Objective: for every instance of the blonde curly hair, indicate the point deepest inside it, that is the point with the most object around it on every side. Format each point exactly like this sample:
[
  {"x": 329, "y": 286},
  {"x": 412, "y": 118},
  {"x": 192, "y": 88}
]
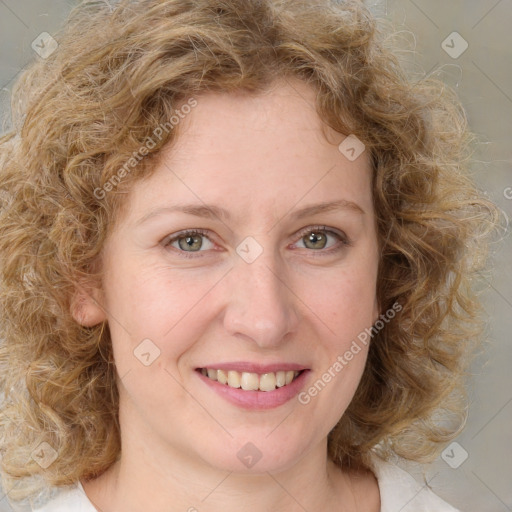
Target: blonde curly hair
[{"x": 80, "y": 114}]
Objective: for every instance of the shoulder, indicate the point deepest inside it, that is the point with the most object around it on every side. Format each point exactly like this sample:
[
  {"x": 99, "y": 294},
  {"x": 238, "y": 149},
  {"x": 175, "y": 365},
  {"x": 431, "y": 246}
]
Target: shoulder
[
  {"x": 68, "y": 498},
  {"x": 400, "y": 491}
]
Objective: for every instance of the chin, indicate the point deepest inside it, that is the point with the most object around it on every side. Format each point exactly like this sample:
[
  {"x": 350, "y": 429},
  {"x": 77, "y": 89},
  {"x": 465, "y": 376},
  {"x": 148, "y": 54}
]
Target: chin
[{"x": 256, "y": 454}]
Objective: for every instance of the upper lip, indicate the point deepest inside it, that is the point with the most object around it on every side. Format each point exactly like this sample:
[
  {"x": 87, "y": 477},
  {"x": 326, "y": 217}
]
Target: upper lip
[{"x": 246, "y": 366}]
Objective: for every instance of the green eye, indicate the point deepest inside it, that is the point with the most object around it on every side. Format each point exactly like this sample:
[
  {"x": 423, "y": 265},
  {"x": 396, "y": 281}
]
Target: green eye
[
  {"x": 316, "y": 238},
  {"x": 189, "y": 241}
]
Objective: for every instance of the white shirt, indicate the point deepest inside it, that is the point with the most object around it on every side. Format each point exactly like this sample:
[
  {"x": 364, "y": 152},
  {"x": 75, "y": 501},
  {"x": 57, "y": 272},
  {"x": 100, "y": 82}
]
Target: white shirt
[{"x": 399, "y": 492}]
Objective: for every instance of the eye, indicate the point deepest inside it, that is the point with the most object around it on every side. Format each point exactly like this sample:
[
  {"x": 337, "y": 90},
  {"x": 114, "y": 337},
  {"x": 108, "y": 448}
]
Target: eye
[
  {"x": 317, "y": 239},
  {"x": 189, "y": 241}
]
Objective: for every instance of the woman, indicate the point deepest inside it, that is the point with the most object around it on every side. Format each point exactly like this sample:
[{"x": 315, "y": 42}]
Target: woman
[{"x": 237, "y": 248}]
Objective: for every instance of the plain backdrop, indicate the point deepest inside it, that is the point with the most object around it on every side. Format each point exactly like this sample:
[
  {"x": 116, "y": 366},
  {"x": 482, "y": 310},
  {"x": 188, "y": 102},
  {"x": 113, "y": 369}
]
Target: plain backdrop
[{"x": 482, "y": 75}]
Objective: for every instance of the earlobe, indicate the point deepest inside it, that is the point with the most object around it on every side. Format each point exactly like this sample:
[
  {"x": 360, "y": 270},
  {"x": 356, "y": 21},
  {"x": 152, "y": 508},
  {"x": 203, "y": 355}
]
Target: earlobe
[{"x": 87, "y": 306}]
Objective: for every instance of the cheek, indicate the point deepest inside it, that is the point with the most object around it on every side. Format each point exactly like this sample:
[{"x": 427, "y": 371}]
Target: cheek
[
  {"x": 344, "y": 301},
  {"x": 155, "y": 317},
  {"x": 154, "y": 302}
]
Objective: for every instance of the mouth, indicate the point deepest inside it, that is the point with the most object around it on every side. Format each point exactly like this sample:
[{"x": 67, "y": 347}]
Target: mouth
[{"x": 250, "y": 381}]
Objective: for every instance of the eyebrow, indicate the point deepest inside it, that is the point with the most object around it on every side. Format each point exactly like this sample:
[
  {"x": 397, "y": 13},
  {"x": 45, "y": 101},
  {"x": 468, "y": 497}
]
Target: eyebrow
[{"x": 211, "y": 211}]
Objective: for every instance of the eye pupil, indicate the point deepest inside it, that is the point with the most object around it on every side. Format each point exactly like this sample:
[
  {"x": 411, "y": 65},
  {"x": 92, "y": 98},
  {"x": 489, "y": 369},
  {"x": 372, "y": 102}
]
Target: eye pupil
[
  {"x": 315, "y": 237},
  {"x": 191, "y": 242}
]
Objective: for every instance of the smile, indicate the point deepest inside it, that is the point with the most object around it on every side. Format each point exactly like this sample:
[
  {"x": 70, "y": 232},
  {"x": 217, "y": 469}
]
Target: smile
[
  {"x": 254, "y": 391},
  {"x": 249, "y": 381}
]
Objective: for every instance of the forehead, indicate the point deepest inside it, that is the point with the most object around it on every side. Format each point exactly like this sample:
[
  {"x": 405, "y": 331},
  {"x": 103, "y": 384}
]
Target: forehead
[{"x": 255, "y": 152}]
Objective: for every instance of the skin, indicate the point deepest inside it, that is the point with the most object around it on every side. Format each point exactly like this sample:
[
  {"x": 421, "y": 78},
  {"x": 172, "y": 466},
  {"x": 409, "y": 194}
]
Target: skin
[{"x": 262, "y": 158}]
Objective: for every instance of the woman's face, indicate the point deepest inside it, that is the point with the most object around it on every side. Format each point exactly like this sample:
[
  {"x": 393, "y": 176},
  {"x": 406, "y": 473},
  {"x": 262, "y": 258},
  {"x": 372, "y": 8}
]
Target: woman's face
[{"x": 274, "y": 282}]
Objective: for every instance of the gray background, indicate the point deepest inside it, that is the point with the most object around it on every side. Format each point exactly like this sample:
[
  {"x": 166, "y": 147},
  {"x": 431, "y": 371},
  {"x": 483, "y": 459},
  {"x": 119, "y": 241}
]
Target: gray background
[{"x": 482, "y": 76}]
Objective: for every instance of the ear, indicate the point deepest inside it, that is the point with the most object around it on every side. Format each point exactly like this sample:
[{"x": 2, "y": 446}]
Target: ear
[{"x": 87, "y": 305}]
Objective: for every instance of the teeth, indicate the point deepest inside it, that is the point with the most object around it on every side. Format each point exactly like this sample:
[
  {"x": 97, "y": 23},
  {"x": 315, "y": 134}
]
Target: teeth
[
  {"x": 222, "y": 376},
  {"x": 251, "y": 381},
  {"x": 268, "y": 382},
  {"x": 233, "y": 379}
]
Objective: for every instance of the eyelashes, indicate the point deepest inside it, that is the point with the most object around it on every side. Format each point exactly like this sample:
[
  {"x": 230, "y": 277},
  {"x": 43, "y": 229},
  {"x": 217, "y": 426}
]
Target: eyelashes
[
  {"x": 193, "y": 238},
  {"x": 323, "y": 230}
]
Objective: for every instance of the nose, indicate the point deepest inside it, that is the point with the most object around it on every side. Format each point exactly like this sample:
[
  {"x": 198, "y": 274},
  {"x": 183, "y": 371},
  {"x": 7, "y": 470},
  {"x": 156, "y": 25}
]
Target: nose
[{"x": 261, "y": 307}]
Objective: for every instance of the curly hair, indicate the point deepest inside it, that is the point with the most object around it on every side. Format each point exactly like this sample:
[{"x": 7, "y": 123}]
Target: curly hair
[{"x": 84, "y": 111}]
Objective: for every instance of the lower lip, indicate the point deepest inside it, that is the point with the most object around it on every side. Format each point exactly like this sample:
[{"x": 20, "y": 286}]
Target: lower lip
[{"x": 257, "y": 400}]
